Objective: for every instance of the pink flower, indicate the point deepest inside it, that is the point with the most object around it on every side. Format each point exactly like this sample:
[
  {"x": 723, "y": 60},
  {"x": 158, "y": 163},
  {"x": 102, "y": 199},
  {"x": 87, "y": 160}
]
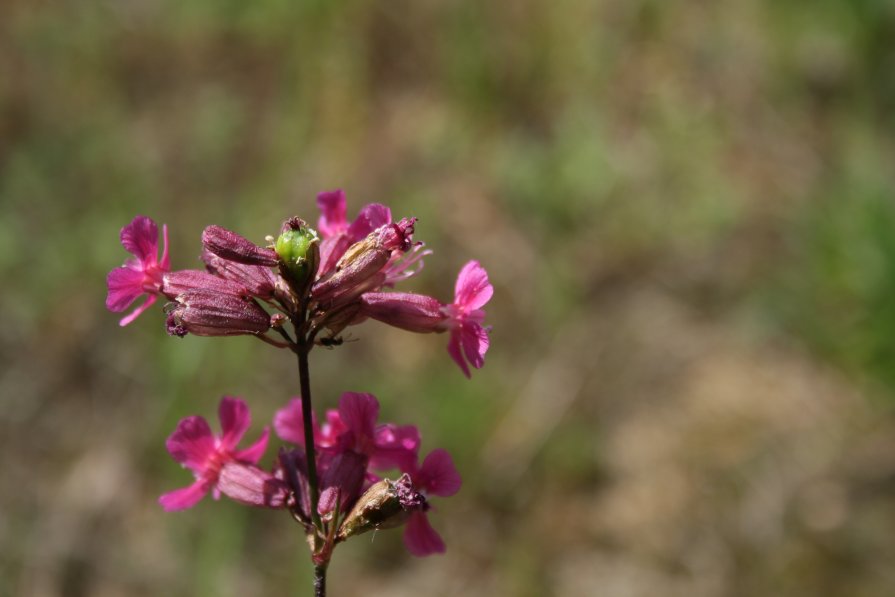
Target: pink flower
[
  {"x": 437, "y": 476},
  {"x": 289, "y": 425},
  {"x": 335, "y": 230},
  {"x": 195, "y": 446},
  {"x": 469, "y": 339},
  {"x": 142, "y": 275},
  {"x": 353, "y": 428},
  {"x": 387, "y": 446}
]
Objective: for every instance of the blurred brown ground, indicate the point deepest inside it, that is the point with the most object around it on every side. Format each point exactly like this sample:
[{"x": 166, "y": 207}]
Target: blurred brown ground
[{"x": 687, "y": 213}]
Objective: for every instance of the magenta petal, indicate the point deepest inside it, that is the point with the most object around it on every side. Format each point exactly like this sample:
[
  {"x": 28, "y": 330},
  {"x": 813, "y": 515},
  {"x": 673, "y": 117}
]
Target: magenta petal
[
  {"x": 438, "y": 475},
  {"x": 472, "y": 290},
  {"x": 253, "y": 453},
  {"x": 359, "y": 413},
  {"x": 475, "y": 343},
  {"x": 192, "y": 443},
  {"x": 140, "y": 237},
  {"x": 396, "y": 447},
  {"x": 150, "y": 300},
  {"x": 235, "y": 420},
  {"x": 371, "y": 217},
  {"x": 125, "y": 285},
  {"x": 332, "y": 429},
  {"x": 420, "y": 538},
  {"x": 187, "y": 497},
  {"x": 454, "y": 351},
  {"x": 288, "y": 423},
  {"x": 333, "y": 219},
  {"x": 165, "y": 261}
]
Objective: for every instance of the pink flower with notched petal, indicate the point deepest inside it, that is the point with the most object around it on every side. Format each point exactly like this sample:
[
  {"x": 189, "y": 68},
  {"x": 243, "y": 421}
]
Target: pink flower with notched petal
[
  {"x": 469, "y": 339},
  {"x": 195, "y": 446},
  {"x": 143, "y": 275},
  {"x": 437, "y": 476}
]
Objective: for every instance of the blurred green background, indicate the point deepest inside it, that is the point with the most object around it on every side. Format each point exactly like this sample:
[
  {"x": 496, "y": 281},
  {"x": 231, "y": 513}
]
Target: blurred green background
[{"x": 688, "y": 213}]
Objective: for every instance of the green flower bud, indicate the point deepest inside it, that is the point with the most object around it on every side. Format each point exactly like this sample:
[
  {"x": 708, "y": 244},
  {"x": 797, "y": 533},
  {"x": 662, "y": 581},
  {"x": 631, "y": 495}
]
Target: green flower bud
[{"x": 298, "y": 248}]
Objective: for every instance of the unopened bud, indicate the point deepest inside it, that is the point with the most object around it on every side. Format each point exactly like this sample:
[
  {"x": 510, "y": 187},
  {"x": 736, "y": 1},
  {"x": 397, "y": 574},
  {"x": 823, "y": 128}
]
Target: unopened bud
[
  {"x": 176, "y": 283},
  {"x": 258, "y": 280},
  {"x": 229, "y": 245},
  {"x": 299, "y": 253},
  {"x": 209, "y": 313},
  {"x": 385, "y": 504}
]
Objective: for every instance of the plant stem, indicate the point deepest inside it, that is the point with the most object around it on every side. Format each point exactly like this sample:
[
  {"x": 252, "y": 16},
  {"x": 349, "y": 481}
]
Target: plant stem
[
  {"x": 304, "y": 378},
  {"x": 320, "y": 580}
]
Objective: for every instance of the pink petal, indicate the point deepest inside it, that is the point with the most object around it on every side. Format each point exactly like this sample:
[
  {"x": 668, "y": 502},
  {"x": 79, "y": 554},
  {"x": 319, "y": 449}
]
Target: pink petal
[
  {"x": 438, "y": 475},
  {"x": 472, "y": 290},
  {"x": 475, "y": 343},
  {"x": 253, "y": 453},
  {"x": 371, "y": 217},
  {"x": 359, "y": 413},
  {"x": 395, "y": 447},
  {"x": 289, "y": 425},
  {"x": 150, "y": 300},
  {"x": 332, "y": 429},
  {"x": 235, "y": 420},
  {"x": 125, "y": 285},
  {"x": 165, "y": 262},
  {"x": 454, "y": 351},
  {"x": 420, "y": 538},
  {"x": 192, "y": 443},
  {"x": 187, "y": 497},
  {"x": 140, "y": 237},
  {"x": 333, "y": 219}
]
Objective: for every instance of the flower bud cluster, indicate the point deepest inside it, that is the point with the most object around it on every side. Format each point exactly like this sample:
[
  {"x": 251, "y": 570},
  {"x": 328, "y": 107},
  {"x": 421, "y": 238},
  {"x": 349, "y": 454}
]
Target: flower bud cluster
[{"x": 322, "y": 283}]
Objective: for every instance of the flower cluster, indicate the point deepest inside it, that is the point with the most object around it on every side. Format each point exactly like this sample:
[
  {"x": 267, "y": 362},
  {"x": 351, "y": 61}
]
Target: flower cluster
[
  {"x": 352, "y": 452},
  {"x": 322, "y": 282},
  {"x": 300, "y": 290}
]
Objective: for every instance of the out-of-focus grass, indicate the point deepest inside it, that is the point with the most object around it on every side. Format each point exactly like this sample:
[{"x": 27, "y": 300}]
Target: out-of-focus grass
[{"x": 736, "y": 157}]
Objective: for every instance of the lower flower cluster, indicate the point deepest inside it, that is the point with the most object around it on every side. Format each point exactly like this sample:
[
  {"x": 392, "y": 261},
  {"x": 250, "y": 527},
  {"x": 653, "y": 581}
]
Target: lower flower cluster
[{"x": 353, "y": 453}]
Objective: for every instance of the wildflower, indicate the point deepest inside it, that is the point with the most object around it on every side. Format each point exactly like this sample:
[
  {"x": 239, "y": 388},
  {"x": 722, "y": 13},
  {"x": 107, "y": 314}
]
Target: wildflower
[
  {"x": 469, "y": 340},
  {"x": 142, "y": 275},
  {"x": 387, "y": 446},
  {"x": 437, "y": 476},
  {"x": 195, "y": 446},
  {"x": 420, "y": 313},
  {"x": 337, "y": 233}
]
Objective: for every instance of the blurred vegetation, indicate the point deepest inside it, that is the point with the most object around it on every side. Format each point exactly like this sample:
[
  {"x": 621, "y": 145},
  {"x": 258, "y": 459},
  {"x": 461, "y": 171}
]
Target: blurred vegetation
[{"x": 674, "y": 201}]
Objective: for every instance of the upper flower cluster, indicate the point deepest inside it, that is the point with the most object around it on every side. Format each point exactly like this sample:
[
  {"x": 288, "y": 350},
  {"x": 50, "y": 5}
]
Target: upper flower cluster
[
  {"x": 320, "y": 283},
  {"x": 352, "y": 451}
]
